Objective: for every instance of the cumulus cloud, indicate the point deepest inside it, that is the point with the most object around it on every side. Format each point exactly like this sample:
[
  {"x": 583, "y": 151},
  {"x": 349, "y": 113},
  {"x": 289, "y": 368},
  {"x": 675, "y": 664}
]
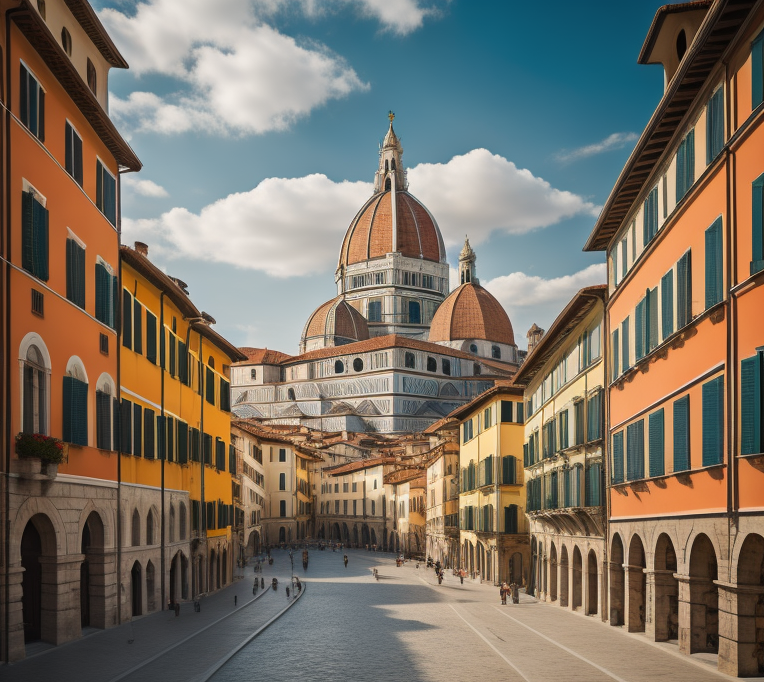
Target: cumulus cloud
[
  {"x": 234, "y": 74},
  {"x": 291, "y": 227},
  {"x": 611, "y": 142},
  {"x": 145, "y": 188}
]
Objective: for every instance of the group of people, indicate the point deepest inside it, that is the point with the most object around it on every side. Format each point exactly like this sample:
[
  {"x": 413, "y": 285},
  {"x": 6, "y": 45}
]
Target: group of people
[{"x": 512, "y": 591}]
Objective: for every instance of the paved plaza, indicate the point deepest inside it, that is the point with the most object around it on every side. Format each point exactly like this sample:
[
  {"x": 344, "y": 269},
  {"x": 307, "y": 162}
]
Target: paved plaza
[{"x": 350, "y": 626}]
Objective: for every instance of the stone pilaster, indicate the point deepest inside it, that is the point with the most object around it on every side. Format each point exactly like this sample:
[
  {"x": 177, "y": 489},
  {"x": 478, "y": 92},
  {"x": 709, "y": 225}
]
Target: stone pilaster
[
  {"x": 634, "y": 611},
  {"x": 739, "y": 650}
]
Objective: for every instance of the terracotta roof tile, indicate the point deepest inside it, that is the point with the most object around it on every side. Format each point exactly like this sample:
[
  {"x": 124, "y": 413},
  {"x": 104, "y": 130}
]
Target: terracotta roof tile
[
  {"x": 471, "y": 312},
  {"x": 263, "y": 356}
]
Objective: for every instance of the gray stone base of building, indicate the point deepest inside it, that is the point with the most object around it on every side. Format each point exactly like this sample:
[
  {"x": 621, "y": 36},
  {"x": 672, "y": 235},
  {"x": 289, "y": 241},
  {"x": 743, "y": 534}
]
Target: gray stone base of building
[
  {"x": 697, "y": 581},
  {"x": 354, "y": 531},
  {"x": 496, "y": 557}
]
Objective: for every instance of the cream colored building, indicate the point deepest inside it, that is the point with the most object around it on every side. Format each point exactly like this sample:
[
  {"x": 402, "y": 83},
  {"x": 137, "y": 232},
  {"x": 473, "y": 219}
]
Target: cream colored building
[
  {"x": 251, "y": 500},
  {"x": 563, "y": 457},
  {"x": 442, "y": 503}
]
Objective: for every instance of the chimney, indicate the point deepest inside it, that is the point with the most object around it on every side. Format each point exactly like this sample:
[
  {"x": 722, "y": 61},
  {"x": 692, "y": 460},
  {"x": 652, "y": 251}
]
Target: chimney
[{"x": 142, "y": 248}]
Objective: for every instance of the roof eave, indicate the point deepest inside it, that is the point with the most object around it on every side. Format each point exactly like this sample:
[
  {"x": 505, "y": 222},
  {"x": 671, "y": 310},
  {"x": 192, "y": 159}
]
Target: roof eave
[{"x": 89, "y": 20}]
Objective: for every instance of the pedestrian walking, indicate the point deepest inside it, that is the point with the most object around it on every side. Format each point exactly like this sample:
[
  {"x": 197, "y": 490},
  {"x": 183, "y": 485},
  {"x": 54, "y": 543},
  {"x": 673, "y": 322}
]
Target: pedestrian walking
[
  {"x": 503, "y": 593},
  {"x": 287, "y": 591},
  {"x": 235, "y": 599},
  {"x": 262, "y": 583},
  {"x": 254, "y": 588},
  {"x": 345, "y": 559}
]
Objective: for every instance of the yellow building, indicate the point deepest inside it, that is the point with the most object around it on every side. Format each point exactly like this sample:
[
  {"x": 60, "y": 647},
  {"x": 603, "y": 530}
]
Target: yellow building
[
  {"x": 176, "y": 463},
  {"x": 564, "y": 376},
  {"x": 493, "y": 532}
]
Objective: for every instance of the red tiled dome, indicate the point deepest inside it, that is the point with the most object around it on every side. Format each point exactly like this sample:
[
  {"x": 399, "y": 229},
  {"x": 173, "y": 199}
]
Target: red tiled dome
[
  {"x": 471, "y": 312},
  {"x": 370, "y": 235},
  {"x": 338, "y": 322}
]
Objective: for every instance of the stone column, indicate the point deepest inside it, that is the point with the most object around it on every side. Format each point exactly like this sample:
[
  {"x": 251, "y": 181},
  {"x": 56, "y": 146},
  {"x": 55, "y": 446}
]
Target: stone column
[
  {"x": 634, "y": 609},
  {"x": 61, "y": 598},
  {"x": 103, "y": 584},
  {"x": 739, "y": 649},
  {"x": 661, "y": 586},
  {"x": 15, "y": 614}
]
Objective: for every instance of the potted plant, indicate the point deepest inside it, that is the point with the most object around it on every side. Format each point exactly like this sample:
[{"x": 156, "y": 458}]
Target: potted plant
[{"x": 36, "y": 450}]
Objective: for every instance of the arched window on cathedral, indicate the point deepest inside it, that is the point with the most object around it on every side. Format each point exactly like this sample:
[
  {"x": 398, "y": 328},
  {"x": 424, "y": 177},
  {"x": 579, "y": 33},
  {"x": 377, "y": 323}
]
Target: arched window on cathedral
[
  {"x": 432, "y": 365},
  {"x": 473, "y": 348},
  {"x": 387, "y": 185},
  {"x": 339, "y": 367},
  {"x": 409, "y": 360},
  {"x": 496, "y": 352},
  {"x": 290, "y": 394}
]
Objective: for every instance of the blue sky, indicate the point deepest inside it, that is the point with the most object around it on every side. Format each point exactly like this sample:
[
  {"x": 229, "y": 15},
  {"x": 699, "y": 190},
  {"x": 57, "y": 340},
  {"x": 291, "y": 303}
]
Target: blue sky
[{"x": 258, "y": 123}]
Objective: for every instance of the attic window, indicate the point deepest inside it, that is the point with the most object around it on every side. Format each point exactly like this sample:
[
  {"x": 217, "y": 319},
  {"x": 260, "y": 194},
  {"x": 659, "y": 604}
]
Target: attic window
[
  {"x": 92, "y": 79},
  {"x": 473, "y": 348},
  {"x": 681, "y": 44},
  {"x": 41, "y": 8},
  {"x": 253, "y": 374},
  {"x": 496, "y": 352},
  {"x": 211, "y": 362},
  {"x": 66, "y": 41}
]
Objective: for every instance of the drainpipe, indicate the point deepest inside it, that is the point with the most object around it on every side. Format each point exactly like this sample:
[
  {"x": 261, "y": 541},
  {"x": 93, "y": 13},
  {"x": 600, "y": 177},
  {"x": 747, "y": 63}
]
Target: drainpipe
[
  {"x": 497, "y": 470},
  {"x": 162, "y": 352},
  {"x": 203, "y": 511}
]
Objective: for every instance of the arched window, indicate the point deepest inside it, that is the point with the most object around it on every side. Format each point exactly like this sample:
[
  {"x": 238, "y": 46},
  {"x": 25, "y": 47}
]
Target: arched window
[
  {"x": 392, "y": 164},
  {"x": 172, "y": 523},
  {"x": 358, "y": 364},
  {"x": 34, "y": 397},
  {"x": 106, "y": 408},
  {"x": 432, "y": 365},
  {"x": 253, "y": 374},
  {"x": 387, "y": 185},
  {"x": 496, "y": 352},
  {"x": 135, "y": 536},
  {"x": 473, "y": 348},
  {"x": 75, "y": 403},
  {"x": 92, "y": 78},
  {"x": 387, "y": 166},
  {"x": 66, "y": 41},
  {"x": 409, "y": 360},
  {"x": 182, "y": 521},
  {"x": 681, "y": 44},
  {"x": 339, "y": 367},
  {"x": 150, "y": 528}
]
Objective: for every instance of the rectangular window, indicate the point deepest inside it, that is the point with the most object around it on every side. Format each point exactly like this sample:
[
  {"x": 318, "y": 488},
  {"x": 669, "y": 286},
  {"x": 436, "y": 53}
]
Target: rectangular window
[
  {"x": 578, "y": 409},
  {"x": 172, "y": 357},
  {"x": 751, "y": 404},
  {"x": 73, "y": 153},
  {"x": 564, "y": 431},
  {"x": 345, "y": 507},
  {"x": 520, "y": 413},
  {"x": 487, "y": 418},
  {"x": 685, "y": 165},
  {"x": 656, "y": 443},
  {"x": 75, "y": 273},
  {"x": 651, "y": 318},
  {"x": 624, "y": 251},
  {"x": 375, "y": 311},
  {"x": 219, "y": 454},
  {"x": 713, "y": 422},
  {"x": 183, "y": 373},
  {"x": 635, "y": 450},
  {"x": 757, "y": 225},
  {"x": 282, "y": 508},
  {"x": 617, "y": 475},
  {"x": 38, "y": 303},
  {"x": 106, "y": 192},
  {"x": 594, "y": 412},
  {"x": 355, "y": 507},
  {"x": 640, "y": 327},
  {"x": 684, "y": 291},
  {"x": 667, "y": 304},
  {"x": 126, "y": 417},
  {"x": 282, "y": 481},
  {"x": 103, "y": 420},
  {"x": 714, "y": 267},
  {"x": 757, "y": 70},
  {"x": 75, "y": 426},
  {"x": 282, "y": 455},
  {"x": 616, "y": 349},
  {"x": 650, "y": 217},
  {"x": 209, "y": 386},
  {"x": 625, "y": 358},
  {"x": 161, "y": 437},
  {"x": 196, "y": 445},
  {"x": 682, "y": 434},
  {"x": 467, "y": 431},
  {"x": 151, "y": 337},
  {"x": 169, "y": 427},
  {"x": 32, "y": 104},
  {"x": 506, "y": 410},
  {"x": 106, "y": 297},
  {"x": 207, "y": 448},
  {"x": 34, "y": 235},
  {"x": 714, "y": 125}
]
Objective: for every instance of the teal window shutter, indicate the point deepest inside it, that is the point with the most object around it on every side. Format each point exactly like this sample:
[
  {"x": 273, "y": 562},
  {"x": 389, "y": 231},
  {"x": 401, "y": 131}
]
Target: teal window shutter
[
  {"x": 751, "y": 404},
  {"x": 137, "y": 327},
  {"x": 715, "y": 125},
  {"x": 635, "y": 450},
  {"x": 161, "y": 437},
  {"x": 209, "y": 386},
  {"x": 757, "y": 225},
  {"x": 127, "y": 319},
  {"x": 682, "y": 433},
  {"x": 615, "y": 348},
  {"x": 689, "y": 159},
  {"x": 148, "y": 433},
  {"x": 182, "y": 442},
  {"x": 757, "y": 70},
  {"x": 651, "y": 314},
  {"x": 639, "y": 330},
  {"x": 681, "y": 153},
  {"x": 113, "y": 303},
  {"x": 617, "y": 474},
  {"x": 126, "y": 430},
  {"x": 713, "y": 421},
  {"x": 225, "y": 395},
  {"x": 169, "y": 427},
  {"x": 171, "y": 342},
  {"x": 75, "y": 273},
  {"x": 27, "y": 231},
  {"x": 667, "y": 304},
  {"x": 624, "y": 254},
  {"x": 151, "y": 337},
  {"x": 75, "y": 404},
  {"x": 183, "y": 362},
  {"x": 684, "y": 291},
  {"x": 714, "y": 263},
  {"x": 137, "y": 430},
  {"x": 625, "y": 345},
  {"x": 40, "y": 241},
  {"x": 656, "y": 443},
  {"x": 103, "y": 421}
]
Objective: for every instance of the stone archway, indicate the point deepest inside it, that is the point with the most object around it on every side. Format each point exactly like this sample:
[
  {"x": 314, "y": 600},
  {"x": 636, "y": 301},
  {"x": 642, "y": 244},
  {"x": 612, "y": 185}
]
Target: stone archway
[
  {"x": 373, "y": 538},
  {"x": 553, "y": 573},
  {"x": 666, "y": 588},
  {"x": 355, "y": 536},
  {"x": 592, "y": 584},
  {"x": 136, "y": 590},
  {"x": 701, "y": 634},
  {"x": 92, "y": 573},
  {"x": 365, "y": 536},
  {"x": 637, "y": 585},
  {"x": 578, "y": 579},
  {"x": 39, "y": 580},
  {"x": 750, "y": 610},
  {"x": 151, "y": 596},
  {"x": 617, "y": 584},
  {"x": 564, "y": 576}
]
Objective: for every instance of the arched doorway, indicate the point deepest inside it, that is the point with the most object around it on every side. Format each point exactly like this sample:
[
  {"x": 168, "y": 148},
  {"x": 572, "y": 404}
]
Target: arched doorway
[
  {"x": 750, "y": 573},
  {"x": 564, "y": 576},
  {"x": 92, "y": 599},
  {"x": 31, "y": 583},
  {"x": 282, "y": 535},
  {"x": 85, "y": 579},
  {"x": 365, "y": 539},
  {"x": 704, "y": 597},
  {"x": 666, "y": 591},
  {"x": 516, "y": 568},
  {"x": 592, "y": 584},
  {"x": 553, "y": 573},
  {"x": 136, "y": 598},
  {"x": 637, "y": 587},
  {"x": 578, "y": 579},
  {"x": 355, "y": 536},
  {"x": 373, "y": 538},
  {"x": 150, "y": 588},
  {"x": 535, "y": 569},
  {"x": 617, "y": 586}
]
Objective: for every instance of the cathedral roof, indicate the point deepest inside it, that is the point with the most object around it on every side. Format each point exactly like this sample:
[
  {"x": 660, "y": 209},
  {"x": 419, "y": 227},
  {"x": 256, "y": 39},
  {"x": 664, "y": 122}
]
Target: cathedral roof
[
  {"x": 471, "y": 312},
  {"x": 263, "y": 356},
  {"x": 370, "y": 235},
  {"x": 337, "y": 319}
]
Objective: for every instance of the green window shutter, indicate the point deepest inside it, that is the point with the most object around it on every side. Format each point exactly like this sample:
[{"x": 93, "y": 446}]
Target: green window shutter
[
  {"x": 207, "y": 449},
  {"x": 715, "y": 125},
  {"x": 137, "y": 430},
  {"x": 656, "y": 443},
  {"x": 751, "y": 404},
  {"x": 625, "y": 359},
  {"x": 652, "y": 318},
  {"x": 102, "y": 293},
  {"x": 137, "y": 327},
  {"x": 169, "y": 426},
  {"x": 635, "y": 450},
  {"x": 690, "y": 161},
  {"x": 182, "y": 442},
  {"x": 667, "y": 304},
  {"x": 151, "y": 337},
  {"x": 713, "y": 421},
  {"x": 126, "y": 417},
  {"x": 103, "y": 420},
  {"x": 173, "y": 354},
  {"x": 75, "y": 273},
  {"x": 639, "y": 330},
  {"x": 209, "y": 386},
  {"x": 680, "y": 170},
  {"x": 148, "y": 433},
  {"x": 526, "y": 461},
  {"x": 40, "y": 241},
  {"x": 225, "y": 395},
  {"x": 75, "y": 404},
  {"x": 27, "y": 231},
  {"x": 684, "y": 291},
  {"x": 77, "y": 158},
  {"x": 41, "y": 115},
  {"x": 757, "y": 225},
  {"x": 24, "y": 95},
  {"x": 757, "y": 70},
  {"x": 113, "y": 305},
  {"x": 231, "y": 458},
  {"x": 127, "y": 319},
  {"x": 615, "y": 346},
  {"x": 682, "y": 433},
  {"x": 161, "y": 437},
  {"x": 68, "y": 149},
  {"x": 195, "y": 445},
  {"x": 617, "y": 474},
  {"x": 183, "y": 362},
  {"x": 624, "y": 254},
  {"x": 714, "y": 263}
]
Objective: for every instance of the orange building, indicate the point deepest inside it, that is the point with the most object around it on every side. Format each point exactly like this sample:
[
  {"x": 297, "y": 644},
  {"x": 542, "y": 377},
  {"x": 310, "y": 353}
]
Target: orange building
[
  {"x": 683, "y": 233},
  {"x": 60, "y": 258}
]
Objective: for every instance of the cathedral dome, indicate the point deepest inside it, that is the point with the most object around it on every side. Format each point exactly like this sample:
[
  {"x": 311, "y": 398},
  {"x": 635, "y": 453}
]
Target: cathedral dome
[
  {"x": 382, "y": 227},
  {"x": 334, "y": 323},
  {"x": 471, "y": 312}
]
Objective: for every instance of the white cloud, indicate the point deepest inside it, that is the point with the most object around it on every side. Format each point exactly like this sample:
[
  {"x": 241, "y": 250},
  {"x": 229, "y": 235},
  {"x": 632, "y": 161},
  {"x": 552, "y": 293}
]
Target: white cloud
[
  {"x": 611, "y": 142},
  {"x": 145, "y": 188},
  {"x": 292, "y": 227},
  {"x": 234, "y": 74},
  {"x": 480, "y": 193}
]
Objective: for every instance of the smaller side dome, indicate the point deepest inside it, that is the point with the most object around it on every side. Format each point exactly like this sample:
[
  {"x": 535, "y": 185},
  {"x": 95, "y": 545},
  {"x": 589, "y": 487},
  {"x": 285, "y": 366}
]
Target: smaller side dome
[{"x": 334, "y": 323}]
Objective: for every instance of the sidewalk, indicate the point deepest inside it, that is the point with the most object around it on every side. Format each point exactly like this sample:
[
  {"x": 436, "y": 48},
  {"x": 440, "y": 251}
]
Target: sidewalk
[{"x": 106, "y": 654}]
